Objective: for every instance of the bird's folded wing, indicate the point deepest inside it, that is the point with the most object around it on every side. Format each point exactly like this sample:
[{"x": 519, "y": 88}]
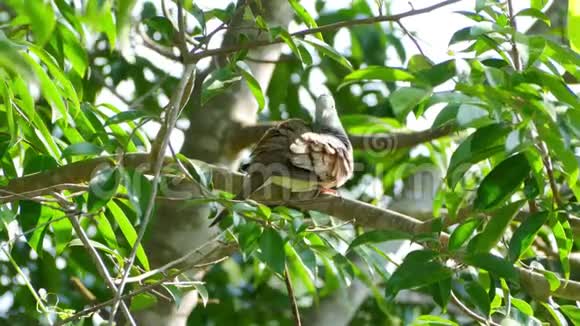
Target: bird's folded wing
[
  {"x": 272, "y": 155},
  {"x": 324, "y": 154},
  {"x": 292, "y": 149}
]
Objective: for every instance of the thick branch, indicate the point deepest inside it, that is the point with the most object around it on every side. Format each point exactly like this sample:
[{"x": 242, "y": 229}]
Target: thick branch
[
  {"x": 194, "y": 57},
  {"x": 246, "y": 136}
]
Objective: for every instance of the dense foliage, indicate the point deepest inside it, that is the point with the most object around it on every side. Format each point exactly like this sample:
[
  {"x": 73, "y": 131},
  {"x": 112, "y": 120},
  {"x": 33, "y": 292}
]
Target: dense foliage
[{"x": 504, "y": 216}]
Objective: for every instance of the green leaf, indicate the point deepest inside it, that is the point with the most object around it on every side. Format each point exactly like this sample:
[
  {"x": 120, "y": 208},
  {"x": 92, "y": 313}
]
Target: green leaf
[
  {"x": 479, "y": 297},
  {"x": 7, "y": 98},
  {"x": 199, "y": 15},
  {"x": 404, "y": 99},
  {"x": 495, "y": 229},
  {"x": 525, "y": 234},
  {"x": 34, "y": 216},
  {"x": 446, "y": 116},
  {"x": 406, "y": 276},
  {"x": 463, "y": 232},
  {"x": 139, "y": 189},
  {"x": 73, "y": 50},
  {"x": 49, "y": 90},
  {"x": 248, "y": 236},
  {"x": 102, "y": 187},
  {"x": 202, "y": 292},
  {"x": 554, "y": 84},
  {"x": 441, "y": 293},
  {"x": 95, "y": 244},
  {"x": 419, "y": 62},
  {"x": 483, "y": 143},
  {"x": 431, "y": 320},
  {"x": 571, "y": 312},
  {"x": 12, "y": 60},
  {"x": 538, "y": 4},
  {"x": 550, "y": 134},
  {"x": 279, "y": 32},
  {"x": 298, "y": 270},
  {"x": 493, "y": 264},
  {"x": 81, "y": 149},
  {"x": 574, "y": 24},
  {"x": 106, "y": 231},
  {"x": 386, "y": 74},
  {"x": 502, "y": 181},
  {"x": 66, "y": 87},
  {"x": 469, "y": 115},
  {"x": 217, "y": 81},
  {"x": 143, "y": 301},
  {"x": 130, "y": 115},
  {"x": 564, "y": 240},
  {"x": 264, "y": 211},
  {"x": 553, "y": 280},
  {"x": 163, "y": 26},
  {"x": 437, "y": 74},
  {"x": 522, "y": 306},
  {"x": 62, "y": 228},
  {"x": 376, "y": 236},
  {"x": 272, "y": 250},
  {"x": 253, "y": 84},
  {"x": 532, "y": 12},
  {"x": 99, "y": 16},
  {"x": 128, "y": 231},
  {"x": 41, "y": 18},
  {"x": 305, "y": 16},
  {"x": 328, "y": 51}
]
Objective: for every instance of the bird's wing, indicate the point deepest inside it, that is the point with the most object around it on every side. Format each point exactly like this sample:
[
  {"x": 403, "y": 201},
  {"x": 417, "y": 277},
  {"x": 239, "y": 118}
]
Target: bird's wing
[
  {"x": 324, "y": 154},
  {"x": 293, "y": 149}
]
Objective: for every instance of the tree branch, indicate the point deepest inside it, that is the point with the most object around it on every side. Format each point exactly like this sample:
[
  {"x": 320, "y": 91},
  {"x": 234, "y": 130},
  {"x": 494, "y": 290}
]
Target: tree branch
[
  {"x": 195, "y": 56},
  {"x": 100, "y": 264},
  {"x": 364, "y": 214},
  {"x": 178, "y": 101},
  {"x": 246, "y": 136}
]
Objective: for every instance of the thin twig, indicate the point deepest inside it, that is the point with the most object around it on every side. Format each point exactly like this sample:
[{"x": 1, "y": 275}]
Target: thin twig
[
  {"x": 157, "y": 157},
  {"x": 39, "y": 302},
  {"x": 470, "y": 312},
  {"x": 194, "y": 57},
  {"x": 411, "y": 36},
  {"x": 111, "y": 88},
  {"x": 149, "y": 92},
  {"x": 331, "y": 228},
  {"x": 145, "y": 288},
  {"x": 173, "y": 263},
  {"x": 292, "y": 297},
  {"x": 550, "y": 171},
  {"x": 149, "y": 43},
  {"x": 100, "y": 264}
]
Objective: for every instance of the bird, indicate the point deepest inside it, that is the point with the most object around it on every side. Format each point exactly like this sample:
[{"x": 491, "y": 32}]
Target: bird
[{"x": 300, "y": 157}]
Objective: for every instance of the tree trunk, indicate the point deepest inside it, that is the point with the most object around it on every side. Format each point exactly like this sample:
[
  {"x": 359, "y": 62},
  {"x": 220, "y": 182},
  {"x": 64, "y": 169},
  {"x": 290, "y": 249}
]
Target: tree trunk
[{"x": 177, "y": 231}]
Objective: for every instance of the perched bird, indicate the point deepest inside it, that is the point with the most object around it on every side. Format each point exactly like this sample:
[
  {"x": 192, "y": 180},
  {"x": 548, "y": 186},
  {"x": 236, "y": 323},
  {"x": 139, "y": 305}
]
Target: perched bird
[{"x": 300, "y": 157}]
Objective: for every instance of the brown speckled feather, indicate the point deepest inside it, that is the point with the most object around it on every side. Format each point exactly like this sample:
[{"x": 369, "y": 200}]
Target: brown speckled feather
[{"x": 306, "y": 155}]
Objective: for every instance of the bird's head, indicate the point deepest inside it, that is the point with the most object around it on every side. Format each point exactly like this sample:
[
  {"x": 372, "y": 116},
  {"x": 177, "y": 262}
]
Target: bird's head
[{"x": 326, "y": 115}]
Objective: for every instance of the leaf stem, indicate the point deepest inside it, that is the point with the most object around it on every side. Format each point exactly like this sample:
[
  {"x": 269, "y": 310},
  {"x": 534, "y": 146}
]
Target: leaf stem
[{"x": 292, "y": 297}]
